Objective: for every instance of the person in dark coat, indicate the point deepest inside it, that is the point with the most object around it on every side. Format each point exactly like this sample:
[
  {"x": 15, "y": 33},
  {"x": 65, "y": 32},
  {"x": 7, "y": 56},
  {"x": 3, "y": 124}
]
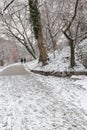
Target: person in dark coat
[
  {"x": 24, "y": 60},
  {"x": 21, "y": 60}
]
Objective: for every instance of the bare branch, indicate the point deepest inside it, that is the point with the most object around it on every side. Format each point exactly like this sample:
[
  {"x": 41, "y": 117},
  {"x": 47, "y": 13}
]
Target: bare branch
[
  {"x": 75, "y": 13},
  {"x": 8, "y": 5}
]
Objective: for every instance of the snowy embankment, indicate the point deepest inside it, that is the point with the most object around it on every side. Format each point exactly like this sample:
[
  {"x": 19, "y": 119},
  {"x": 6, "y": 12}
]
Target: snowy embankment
[
  {"x": 59, "y": 65},
  {"x": 32, "y": 102},
  {"x": 61, "y": 62}
]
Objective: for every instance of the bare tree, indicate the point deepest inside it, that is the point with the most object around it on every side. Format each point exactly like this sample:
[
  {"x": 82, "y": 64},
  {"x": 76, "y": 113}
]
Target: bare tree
[
  {"x": 15, "y": 19},
  {"x": 67, "y": 30},
  {"x": 66, "y": 15},
  {"x": 50, "y": 19},
  {"x": 71, "y": 28}
]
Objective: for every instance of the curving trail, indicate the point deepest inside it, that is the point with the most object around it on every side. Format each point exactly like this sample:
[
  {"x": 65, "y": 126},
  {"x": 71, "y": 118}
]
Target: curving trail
[{"x": 17, "y": 69}]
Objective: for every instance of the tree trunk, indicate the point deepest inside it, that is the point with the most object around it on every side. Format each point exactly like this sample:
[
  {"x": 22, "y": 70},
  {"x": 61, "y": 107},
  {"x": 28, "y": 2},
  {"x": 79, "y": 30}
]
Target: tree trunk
[
  {"x": 37, "y": 29},
  {"x": 72, "y": 60},
  {"x": 42, "y": 49}
]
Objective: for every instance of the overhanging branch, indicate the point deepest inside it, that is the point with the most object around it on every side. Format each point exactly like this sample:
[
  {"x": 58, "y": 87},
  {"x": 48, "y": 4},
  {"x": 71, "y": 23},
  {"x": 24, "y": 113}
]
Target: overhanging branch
[
  {"x": 74, "y": 15},
  {"x": 8, "y": 5}
]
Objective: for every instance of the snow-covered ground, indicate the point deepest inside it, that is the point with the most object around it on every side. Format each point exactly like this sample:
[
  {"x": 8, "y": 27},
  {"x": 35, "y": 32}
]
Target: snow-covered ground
[
  {"x": 61, "y": 62},
  {"x": 32, "y": 102}
]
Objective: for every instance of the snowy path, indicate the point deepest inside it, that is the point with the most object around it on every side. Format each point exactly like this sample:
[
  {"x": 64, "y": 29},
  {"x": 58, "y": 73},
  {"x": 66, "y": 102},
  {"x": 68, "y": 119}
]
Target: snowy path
[
  {"x": 16, "y": 69},
  {"x": 33, "y": 102}
]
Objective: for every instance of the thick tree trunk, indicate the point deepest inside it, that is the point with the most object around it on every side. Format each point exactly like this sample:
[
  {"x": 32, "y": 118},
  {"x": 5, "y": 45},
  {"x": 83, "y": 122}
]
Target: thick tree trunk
[
  {"x": 42, "y": 49},
  {"x": 37, "y": 28},
  {"x": 72, "y": 60}
]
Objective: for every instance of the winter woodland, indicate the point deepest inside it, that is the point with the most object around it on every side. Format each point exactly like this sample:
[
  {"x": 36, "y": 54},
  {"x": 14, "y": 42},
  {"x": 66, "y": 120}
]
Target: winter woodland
[{"x": 43, "y": 64}]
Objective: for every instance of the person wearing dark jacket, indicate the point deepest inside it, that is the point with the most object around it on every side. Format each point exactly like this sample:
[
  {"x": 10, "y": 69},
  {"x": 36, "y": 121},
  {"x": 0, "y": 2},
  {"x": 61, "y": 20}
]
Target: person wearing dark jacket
[
  {"x": 21, "y": 60},
  {"x": 24, "y": 60}
]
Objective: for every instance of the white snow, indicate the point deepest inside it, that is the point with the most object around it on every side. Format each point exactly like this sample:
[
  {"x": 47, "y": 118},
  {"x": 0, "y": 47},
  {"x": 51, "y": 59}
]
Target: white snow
[
  {"x": 61, "y": 62},
  {"x": 83, "y": 96},
  {"x": 33, "y": 102}
]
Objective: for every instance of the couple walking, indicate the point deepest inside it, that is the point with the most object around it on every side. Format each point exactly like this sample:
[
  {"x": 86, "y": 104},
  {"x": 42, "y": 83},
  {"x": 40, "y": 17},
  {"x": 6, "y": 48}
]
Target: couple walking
[{"x": 23, "y": 60}]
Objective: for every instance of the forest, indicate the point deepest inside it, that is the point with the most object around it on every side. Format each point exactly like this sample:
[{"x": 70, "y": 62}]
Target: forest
[
  {"x": 43, "y": 64},
  {"x": 42, "y": 26}
]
